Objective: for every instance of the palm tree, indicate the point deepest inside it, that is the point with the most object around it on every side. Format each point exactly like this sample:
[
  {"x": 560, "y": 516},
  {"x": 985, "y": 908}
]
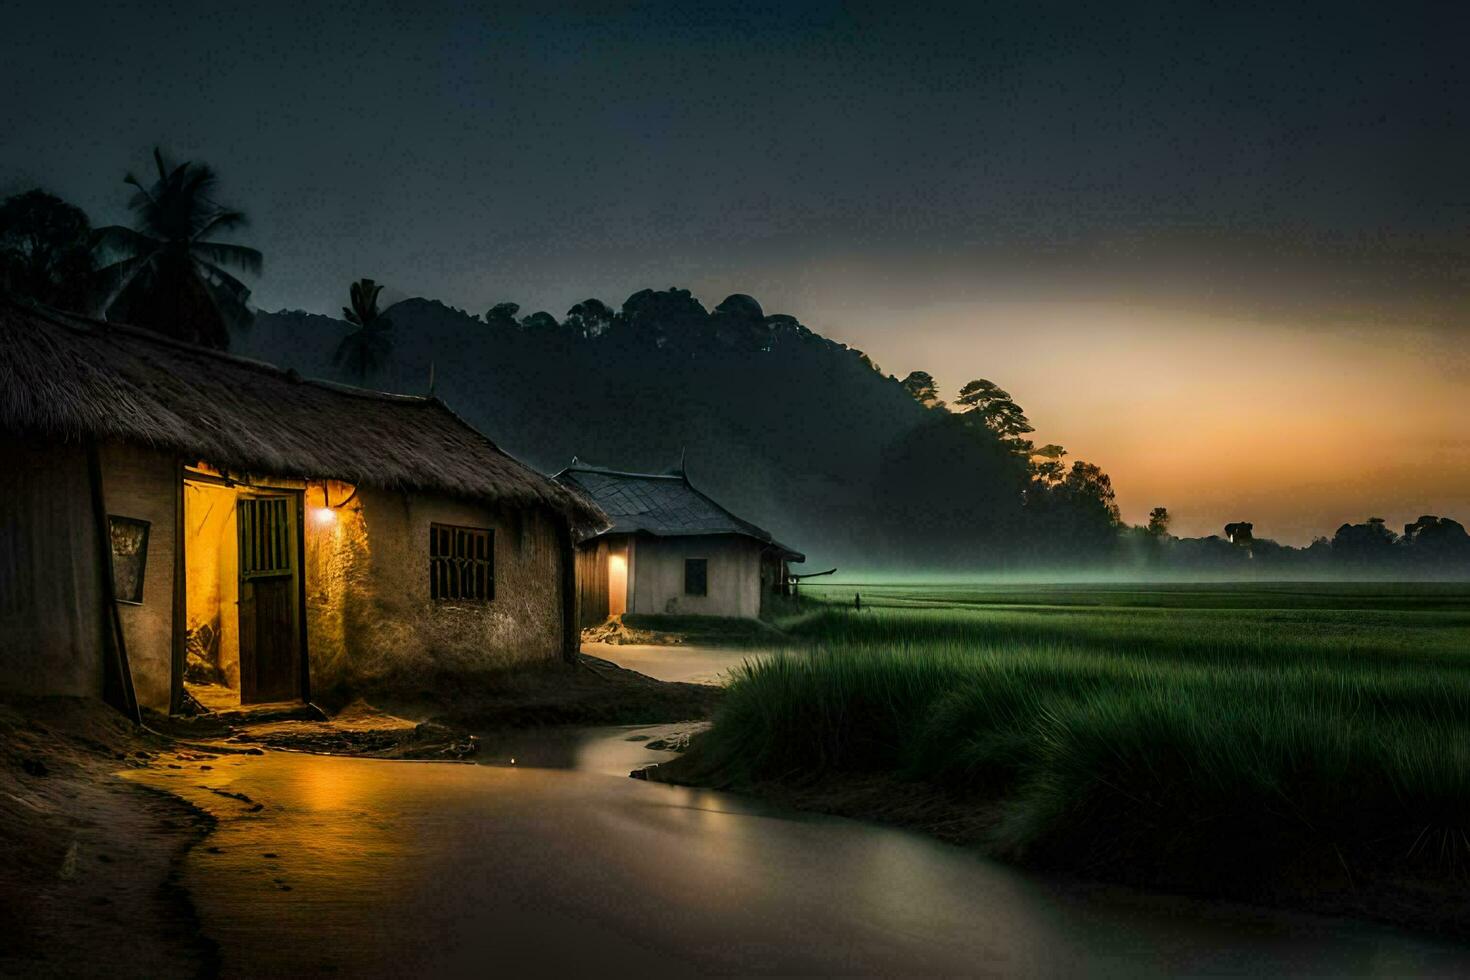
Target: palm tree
[
  {"x": 364, "y": 350},
  {"x": 171, "y": 276}
]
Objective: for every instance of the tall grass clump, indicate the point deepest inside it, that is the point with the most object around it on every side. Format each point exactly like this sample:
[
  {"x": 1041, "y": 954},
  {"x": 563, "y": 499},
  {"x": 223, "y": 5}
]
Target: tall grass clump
[{"x": 1225, "y": 755}]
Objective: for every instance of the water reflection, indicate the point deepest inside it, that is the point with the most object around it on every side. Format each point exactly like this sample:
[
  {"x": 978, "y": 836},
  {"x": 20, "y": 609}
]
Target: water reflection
[
  {"x": 612, "y": 750},
  {"x": 376, "y": 868}
]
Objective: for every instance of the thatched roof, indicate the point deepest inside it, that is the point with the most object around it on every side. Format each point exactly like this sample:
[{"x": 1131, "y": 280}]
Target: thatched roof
[
  {"x": 661, "y": 504},
  {"x": 70, "y": 377}
]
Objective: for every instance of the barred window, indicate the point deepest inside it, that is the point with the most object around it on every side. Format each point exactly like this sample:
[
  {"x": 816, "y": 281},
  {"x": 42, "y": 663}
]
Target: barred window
[
  {"x": 696, "y": 576},
  {"x": 265, "y": 536},
  {"x": 461, "y": 562}
]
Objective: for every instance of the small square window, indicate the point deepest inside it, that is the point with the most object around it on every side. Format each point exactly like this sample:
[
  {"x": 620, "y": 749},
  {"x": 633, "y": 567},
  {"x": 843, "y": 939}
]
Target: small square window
[
  {"x": 696, "y": 576},
  {"x": 461, "y": 563},
  {"x": 129, "y": 557}
]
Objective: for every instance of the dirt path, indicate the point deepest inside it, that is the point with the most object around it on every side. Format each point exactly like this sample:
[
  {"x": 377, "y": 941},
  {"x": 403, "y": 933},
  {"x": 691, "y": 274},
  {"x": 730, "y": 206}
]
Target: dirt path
[{"x": 88, "y": 861}]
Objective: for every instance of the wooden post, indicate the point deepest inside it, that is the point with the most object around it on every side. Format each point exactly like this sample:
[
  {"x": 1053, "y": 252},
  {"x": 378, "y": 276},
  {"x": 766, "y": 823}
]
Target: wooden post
[
  {"x": 181, "y": 611},
  {"x": 301, "y": 588},
  {"x": 117, "y": 682},
  {"x": 570, "y": 624}
]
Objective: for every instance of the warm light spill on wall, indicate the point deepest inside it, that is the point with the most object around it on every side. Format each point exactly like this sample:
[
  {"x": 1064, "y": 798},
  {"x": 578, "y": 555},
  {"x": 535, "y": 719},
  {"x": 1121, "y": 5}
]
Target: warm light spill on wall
[
  {"x": 617, "y": 584},
  {"x": 326, "y": 514}
]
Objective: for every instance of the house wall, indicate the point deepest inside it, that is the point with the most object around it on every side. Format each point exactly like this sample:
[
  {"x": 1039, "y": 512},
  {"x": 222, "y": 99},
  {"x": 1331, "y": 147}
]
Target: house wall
[
  {"x": 656, "y": 576},
  {"x": 370, "y": 615},
  {"x": 339, "y": 581},
  {"x": 142, "y": 484},
  {"x": 51, "y": 622}
]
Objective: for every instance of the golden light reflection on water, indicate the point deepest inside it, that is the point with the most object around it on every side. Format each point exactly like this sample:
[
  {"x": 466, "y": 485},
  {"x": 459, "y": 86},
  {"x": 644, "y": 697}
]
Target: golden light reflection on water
[
  {"x": 373, "y": 868},
  {"x": 337, "y": 788}
]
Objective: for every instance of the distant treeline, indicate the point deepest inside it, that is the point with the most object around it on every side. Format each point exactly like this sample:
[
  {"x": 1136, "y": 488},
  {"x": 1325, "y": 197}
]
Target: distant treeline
[{"x": 1430, "y": 546}]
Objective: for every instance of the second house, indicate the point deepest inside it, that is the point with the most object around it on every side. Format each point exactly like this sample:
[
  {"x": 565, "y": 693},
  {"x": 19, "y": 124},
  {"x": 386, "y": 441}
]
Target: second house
[{"x": 671, "y": 551}]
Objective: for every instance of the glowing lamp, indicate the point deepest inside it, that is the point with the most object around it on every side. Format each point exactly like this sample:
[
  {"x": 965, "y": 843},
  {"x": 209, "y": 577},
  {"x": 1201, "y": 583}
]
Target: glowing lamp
[{"x": 324, "y": 515}]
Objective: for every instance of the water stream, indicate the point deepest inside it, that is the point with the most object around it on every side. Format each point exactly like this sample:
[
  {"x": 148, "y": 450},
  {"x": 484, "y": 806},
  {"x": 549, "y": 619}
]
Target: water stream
[{"x": 558, "y": 862}]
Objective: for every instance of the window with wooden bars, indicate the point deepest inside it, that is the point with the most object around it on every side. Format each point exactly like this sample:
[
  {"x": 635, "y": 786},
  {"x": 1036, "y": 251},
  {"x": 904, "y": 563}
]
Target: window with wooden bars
[
  {"x": 461, "y": 563},
  {"x": 266, "y": 544}
]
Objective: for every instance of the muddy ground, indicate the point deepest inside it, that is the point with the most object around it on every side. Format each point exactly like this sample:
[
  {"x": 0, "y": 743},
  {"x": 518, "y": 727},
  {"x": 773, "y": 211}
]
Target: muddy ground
[
  {"x": 89, "y": 861},
  {"x": 590, "y": 692}
]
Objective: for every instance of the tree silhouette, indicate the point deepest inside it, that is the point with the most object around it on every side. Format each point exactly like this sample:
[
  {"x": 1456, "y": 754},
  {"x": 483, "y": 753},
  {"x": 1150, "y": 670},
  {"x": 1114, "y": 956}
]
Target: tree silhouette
[
  {"x": 1047, "y": 465},
  {"x": 46, "y": 252},
  {"x": 1158, "y": 522},
  {"x": 1371, "y": 540},
  {"x": 589, "y": 318},
  {"x": 993, "y": 407},
  {"x": 1075, "y": 518},
  {"x": 541, "y": 322},
  {"x": 363, "y": 351},
  {"x": 669, "y": 318},
  {"x": 1240, "y": 533},
  {"x": 1086, "y": 482},
  {"x": 1437, "y": 539},
  {"x": 920, "y": 384},
  {"x": 171, "y": 276},
  {"x": 739, "y": 323},
  {"x": 503, "y": 315}
]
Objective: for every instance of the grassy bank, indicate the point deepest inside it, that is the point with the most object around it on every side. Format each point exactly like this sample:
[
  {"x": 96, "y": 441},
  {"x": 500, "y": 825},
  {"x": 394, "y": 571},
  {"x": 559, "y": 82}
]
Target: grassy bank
[{"x": 1307, "y": 746}]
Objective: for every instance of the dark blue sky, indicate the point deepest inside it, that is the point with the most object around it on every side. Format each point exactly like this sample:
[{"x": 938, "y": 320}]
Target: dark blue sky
[
  {"x": 475, "y": 152},
  {"x": 1088, "y": 201}
]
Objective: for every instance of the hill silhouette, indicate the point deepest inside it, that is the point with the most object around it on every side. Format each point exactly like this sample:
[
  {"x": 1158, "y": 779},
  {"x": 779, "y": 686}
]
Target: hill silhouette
[{"x": 793, "y": 431}]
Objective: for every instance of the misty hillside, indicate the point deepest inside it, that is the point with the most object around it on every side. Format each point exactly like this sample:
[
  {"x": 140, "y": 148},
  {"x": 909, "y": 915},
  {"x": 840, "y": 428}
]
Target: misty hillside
[{"x": 787, "y": 428}]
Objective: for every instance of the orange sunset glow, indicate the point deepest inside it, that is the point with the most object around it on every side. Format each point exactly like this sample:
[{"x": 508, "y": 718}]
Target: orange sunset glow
[{"x": 1296, "y": 427}]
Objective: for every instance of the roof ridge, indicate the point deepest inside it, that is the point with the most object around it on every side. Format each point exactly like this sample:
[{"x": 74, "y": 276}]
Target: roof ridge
[
  {"x": 725, "y": 510},
  {"x": 605, "y": 471},
  {"x": 679, "y": 516}
]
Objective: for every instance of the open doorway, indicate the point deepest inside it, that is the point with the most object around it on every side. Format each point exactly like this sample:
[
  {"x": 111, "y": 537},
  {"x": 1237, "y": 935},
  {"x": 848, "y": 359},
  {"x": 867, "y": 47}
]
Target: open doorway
[
  {"x": 617, "y": 580},
  {"x": 242, "y": 600}
]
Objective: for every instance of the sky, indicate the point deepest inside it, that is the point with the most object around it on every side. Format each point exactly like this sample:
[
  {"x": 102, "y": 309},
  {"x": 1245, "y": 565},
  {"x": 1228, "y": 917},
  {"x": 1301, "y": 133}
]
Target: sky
[{"x": 1219, "y": 249}]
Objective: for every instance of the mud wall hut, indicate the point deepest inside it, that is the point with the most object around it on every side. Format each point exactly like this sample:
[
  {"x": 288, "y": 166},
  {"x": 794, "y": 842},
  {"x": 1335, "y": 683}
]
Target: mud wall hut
[{"x": 171, "y": 515}]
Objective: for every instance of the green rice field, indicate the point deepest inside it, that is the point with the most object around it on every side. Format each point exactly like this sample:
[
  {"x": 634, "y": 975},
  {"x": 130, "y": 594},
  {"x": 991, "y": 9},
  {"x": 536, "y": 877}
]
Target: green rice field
[{"x": 1294, "y": 742}]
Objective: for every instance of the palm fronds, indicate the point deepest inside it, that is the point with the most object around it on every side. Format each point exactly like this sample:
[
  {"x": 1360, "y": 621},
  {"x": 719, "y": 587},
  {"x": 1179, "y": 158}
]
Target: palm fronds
[
  {"x": 363, "y": 351},
  {"x": 168, "y": 275}
]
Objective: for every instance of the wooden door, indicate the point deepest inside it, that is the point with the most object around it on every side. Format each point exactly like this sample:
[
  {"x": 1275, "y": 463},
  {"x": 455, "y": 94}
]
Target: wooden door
[
  {"x": 592, "y": 584},
  {"x": 270, "y": 638}
]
